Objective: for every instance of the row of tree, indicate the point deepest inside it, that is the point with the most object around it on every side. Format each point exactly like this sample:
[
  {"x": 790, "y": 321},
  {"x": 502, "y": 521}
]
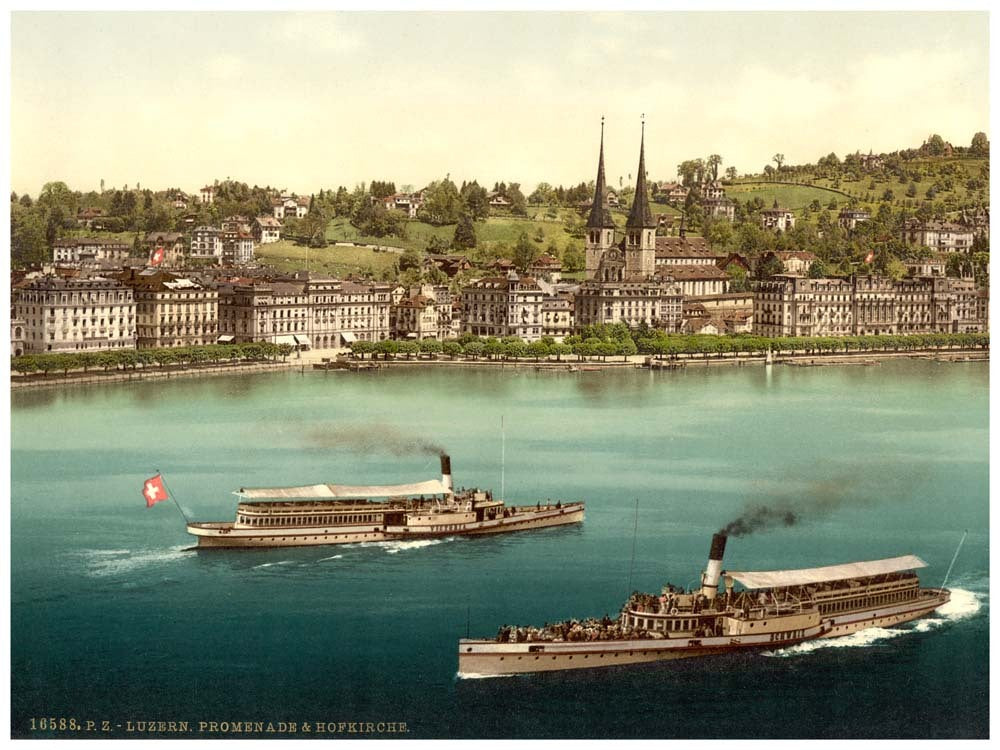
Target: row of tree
[
  {"x": 611, "y": 341},
  {"x": 130, "y": 359}
]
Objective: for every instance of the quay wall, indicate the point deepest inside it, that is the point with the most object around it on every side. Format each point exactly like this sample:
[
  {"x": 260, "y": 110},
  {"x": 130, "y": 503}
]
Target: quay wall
[{"x": 305, "y": 364}]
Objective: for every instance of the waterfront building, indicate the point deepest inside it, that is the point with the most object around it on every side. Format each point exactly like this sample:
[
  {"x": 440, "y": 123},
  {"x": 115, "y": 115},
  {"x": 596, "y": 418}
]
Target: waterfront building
[
  {"x": 558, "y": 315},
  {"x": 423, "y": 312},
  {"x": 206, "y": 242},
  {"x": 501, "y": 306},
  {"x": 72, "y": 315},
  {"x": 942, "y": 236},
  {"x": 321, "y": 313},
  {"x": 787, "y": 305},
  {"x": 170, "y": 310},
  {"x": 16, "y": 337},
  {"x": 89, "y": 249},
  {"x": 656, "y": 304}
]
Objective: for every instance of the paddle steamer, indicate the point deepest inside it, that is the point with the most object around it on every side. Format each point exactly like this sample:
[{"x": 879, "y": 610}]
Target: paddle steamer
[
  {"x": 343, "y": 514},
  {"x": 774, "y": 609}
]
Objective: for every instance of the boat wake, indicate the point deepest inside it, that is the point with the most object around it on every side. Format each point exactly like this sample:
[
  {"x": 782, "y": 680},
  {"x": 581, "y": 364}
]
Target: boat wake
[
  {"x": 334, "y": 557},
  {"x": 396, "y": 546},
  {"x": 476, "y": 676},
  {"x": 963, "y": 604},
  {"x": 110, "y": 562},
  {"x": 271, "y": 564}
]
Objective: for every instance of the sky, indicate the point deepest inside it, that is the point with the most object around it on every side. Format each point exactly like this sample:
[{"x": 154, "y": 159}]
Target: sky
[{"x": 315, "y": 100}]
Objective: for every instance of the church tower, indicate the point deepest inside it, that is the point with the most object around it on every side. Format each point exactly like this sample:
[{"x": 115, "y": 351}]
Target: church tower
[
  {"x": 640, "y": 229},
  {"x": 600, "y": 224}
]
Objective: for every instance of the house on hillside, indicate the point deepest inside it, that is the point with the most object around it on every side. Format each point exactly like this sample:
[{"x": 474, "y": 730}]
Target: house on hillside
[
  {"x": 266, "y": 229},
  {"x": 288, "y": 206},
  {"x": 849, "y": 218},
  {"x": 777, "y": 219}
]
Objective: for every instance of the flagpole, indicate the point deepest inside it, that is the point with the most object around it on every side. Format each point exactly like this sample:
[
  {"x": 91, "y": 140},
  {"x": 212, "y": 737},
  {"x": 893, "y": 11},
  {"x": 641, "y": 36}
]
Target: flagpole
[{"x": 172, "y": 497}]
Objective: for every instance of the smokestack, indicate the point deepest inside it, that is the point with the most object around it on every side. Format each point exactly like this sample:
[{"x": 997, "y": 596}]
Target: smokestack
[
  {"x": 446, "y": 472},
  {"x": 710, "y": 578}
]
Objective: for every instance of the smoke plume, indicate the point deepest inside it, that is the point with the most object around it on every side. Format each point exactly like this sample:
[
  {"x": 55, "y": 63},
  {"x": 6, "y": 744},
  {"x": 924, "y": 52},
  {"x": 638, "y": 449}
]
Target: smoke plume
[
  {"x": 373, "y": 439},
  {"x": 816, "y": 500}
]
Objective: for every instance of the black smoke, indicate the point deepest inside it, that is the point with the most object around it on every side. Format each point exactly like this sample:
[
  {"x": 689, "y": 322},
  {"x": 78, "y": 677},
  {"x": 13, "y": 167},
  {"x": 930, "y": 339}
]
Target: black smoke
[
  {"x": 816, "y": 500},
  {"x": 375, "y": 438},
  {"x": 758, "y": 518}
]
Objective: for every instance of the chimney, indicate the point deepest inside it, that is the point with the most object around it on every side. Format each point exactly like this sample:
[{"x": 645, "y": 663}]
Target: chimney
[
  {"x": 446, "y": 472},
  {"x": 710, "y": 578}
]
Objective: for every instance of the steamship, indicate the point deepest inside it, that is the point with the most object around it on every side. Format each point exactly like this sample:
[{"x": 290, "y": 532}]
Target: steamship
[
  {"x": 772, "y": 609},
  {"x": 343, "y": 514}
]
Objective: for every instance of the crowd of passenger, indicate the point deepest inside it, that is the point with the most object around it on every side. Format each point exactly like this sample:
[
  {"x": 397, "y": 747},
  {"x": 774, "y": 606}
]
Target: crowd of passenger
[{"x": 589, "y": 629}]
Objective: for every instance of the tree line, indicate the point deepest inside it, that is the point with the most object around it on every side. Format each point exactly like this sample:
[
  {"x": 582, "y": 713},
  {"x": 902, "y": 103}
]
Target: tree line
[
  {"x": 617, "y": 340},
  {"x": 130, "y": 359}
]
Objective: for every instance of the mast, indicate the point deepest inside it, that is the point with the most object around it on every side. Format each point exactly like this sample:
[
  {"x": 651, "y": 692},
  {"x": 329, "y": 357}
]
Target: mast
[{"x": 503, "y": 455}]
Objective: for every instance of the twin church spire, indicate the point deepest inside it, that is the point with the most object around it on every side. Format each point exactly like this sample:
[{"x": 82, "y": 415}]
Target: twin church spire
[
  {"x": 634, "y": 260},
  {"x": 640, "y": 217}
]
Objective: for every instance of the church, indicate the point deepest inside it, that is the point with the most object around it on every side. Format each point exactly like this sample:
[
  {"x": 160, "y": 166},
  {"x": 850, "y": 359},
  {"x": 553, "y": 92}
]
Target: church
[{"x": 622, "y": 284}]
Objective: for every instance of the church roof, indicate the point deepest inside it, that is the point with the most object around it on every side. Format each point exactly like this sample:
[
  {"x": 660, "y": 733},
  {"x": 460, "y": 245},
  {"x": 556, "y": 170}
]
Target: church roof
[
  {"x": 640, "y": 217},
  {"x": 600, "y": 210}
]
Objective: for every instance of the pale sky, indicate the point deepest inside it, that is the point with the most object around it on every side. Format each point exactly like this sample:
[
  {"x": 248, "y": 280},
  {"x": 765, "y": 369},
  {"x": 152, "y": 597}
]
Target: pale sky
[{"x": 310, "y": 101}]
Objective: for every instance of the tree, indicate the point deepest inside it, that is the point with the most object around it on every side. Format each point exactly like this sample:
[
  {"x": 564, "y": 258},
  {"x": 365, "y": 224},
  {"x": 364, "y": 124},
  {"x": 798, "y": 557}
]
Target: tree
[
  {"x": 465, "y": 232},
  {"x": 442, "y": 203},
  {"x": 934, "y": 145},
  {"x": 817, "y": 270},
  {"x": 28, "y": 241},
  {"x": 713, "y": 162},
  {"x": 772, "y": 266},
  {"x": 688, "y": 171},
  {"x": 572, "y": 258},
  {"x": 778, "y": 159},
  {"x": 410, "y": 259},
  {"x": 980, "y": 145},
  {"x": 525, "y": 253},
  {"x": 730, "y": 173}
]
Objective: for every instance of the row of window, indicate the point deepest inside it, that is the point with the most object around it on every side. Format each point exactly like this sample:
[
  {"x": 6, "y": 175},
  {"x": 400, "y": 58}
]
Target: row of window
[
  {"x": 865, "y": 602},
  {"x": 309, "y": 520}
]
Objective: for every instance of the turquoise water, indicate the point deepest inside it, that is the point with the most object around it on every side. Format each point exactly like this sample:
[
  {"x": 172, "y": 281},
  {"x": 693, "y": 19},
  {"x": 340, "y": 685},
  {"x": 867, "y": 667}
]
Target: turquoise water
[{"x": 114, "y": 619}]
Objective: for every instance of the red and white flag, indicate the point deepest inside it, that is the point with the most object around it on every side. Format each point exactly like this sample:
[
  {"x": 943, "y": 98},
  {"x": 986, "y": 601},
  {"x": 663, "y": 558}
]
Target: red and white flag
[
  {"x": 154, "y": 491},
  {"x": 870, "y": 257},
  {"x": 156, "y": 258}
]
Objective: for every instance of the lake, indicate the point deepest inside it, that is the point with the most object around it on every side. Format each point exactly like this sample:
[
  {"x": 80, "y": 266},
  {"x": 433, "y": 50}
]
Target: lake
[{"x": 115, "y": 619}]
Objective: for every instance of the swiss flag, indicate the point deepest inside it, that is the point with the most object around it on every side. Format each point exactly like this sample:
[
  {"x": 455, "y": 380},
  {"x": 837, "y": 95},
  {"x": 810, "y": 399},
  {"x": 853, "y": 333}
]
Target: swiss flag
[
  {"x": 157, "y": 257},
  {"x": 870, "y": 257},
  {"x": 154, "y": 491}
]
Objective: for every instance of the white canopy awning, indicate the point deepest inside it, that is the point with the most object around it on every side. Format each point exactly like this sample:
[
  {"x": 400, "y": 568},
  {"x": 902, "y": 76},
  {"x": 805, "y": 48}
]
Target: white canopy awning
[
  {"x": 225, "y": 339},
  {"x": 773, "y": 578},
  {"x": 348, "y": 337},
  {"x": 302, "y": 340},
  {"x": 285, "y": 340},
  {"x": 343, "y": 491}
]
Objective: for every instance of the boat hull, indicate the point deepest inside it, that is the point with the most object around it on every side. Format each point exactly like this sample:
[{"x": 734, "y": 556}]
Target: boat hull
[
  {"x": 480, "y": 658},
  {"x": 226, "y": 535}
]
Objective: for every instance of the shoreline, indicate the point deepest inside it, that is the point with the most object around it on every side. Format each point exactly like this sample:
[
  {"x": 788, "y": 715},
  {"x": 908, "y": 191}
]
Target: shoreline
[{"x": 646, "y": 362}]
